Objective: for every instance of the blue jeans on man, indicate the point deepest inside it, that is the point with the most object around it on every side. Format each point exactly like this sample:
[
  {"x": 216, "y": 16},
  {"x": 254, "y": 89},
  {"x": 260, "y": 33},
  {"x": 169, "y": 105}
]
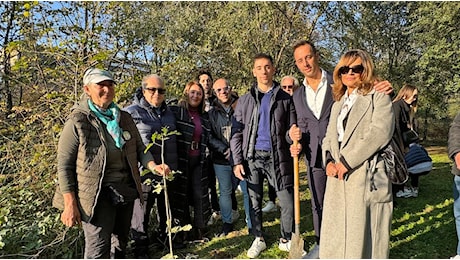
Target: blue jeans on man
[
  {"x": 224, "y": 177},
  {"x": 261, "y": 167}
]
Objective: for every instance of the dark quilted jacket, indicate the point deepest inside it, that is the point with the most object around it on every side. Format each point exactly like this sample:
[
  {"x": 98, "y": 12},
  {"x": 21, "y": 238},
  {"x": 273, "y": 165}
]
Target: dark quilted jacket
[{"x": 81, "y": 167}]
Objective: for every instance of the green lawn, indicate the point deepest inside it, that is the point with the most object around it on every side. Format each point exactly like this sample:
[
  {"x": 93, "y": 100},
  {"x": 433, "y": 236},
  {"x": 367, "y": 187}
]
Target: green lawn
[{"x": 422, "y": 227}]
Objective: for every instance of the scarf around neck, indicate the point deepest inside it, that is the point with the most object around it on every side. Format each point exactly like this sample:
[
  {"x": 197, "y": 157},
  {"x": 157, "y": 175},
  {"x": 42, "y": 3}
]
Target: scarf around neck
[{"x": 111, "y": 118}]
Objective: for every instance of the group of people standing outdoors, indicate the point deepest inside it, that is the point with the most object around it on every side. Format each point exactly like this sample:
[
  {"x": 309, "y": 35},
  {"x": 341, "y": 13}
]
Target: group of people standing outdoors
[{"x": 340, "y": 120}]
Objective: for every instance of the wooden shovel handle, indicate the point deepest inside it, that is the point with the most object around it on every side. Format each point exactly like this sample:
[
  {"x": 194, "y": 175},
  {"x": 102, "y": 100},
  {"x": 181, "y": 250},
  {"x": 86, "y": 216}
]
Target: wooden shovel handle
[{"x": 296, "y": 189}]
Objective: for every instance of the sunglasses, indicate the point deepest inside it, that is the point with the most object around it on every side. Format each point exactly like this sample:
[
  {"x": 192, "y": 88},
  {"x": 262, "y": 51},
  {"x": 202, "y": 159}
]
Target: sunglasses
[
  {"x": 161, "y": 91},
  {"x": 288, "y": 87},
  {"x": 226, "y": 89},
  {"x": 356, "y": 69}
]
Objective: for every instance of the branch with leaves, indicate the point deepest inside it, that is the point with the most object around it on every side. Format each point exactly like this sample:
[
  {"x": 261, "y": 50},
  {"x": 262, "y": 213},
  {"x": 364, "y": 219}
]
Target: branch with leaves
[{"x": 162, "y": 137}]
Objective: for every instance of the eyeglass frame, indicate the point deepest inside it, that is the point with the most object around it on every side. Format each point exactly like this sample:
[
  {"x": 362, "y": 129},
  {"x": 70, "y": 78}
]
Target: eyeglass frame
[
  {"x": 161, "y": 91},
  {"x": 225, "y": 89},
  {"x": 288, "y": 87}
]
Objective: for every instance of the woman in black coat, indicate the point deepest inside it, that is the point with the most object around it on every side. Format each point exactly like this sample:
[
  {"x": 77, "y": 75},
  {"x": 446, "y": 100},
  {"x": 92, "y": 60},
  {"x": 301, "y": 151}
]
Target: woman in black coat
[{"x": 191, "y": 186}]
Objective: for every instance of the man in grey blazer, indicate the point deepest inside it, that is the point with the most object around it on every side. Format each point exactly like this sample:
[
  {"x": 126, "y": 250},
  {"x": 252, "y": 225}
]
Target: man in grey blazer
[{"x": 313, "y": 102}]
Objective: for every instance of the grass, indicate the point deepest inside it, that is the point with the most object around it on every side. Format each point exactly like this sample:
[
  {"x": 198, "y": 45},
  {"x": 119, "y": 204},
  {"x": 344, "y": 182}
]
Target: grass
[{"x": 423, "y": 227}]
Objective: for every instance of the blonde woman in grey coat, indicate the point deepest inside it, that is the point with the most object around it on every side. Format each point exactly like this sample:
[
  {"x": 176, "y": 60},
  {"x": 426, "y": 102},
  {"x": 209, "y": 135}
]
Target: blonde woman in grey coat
[{"x": 358, "y": 204}]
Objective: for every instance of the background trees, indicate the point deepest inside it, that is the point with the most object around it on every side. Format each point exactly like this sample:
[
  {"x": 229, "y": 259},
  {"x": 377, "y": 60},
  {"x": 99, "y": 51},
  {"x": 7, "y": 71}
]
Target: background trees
[{"x": 45, "y": 47}]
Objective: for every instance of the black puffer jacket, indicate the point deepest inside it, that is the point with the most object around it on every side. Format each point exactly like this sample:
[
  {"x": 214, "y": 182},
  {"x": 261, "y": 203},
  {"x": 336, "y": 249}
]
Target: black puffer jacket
[{"x": 244, "y": 131}]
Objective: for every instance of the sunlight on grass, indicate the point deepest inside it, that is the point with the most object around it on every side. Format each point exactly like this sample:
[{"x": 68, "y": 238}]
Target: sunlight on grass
[{"x": 419, "y": 223}]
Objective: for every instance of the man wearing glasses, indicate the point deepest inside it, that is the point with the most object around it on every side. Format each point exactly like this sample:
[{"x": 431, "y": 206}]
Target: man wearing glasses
[
  {"x": 151, "y": 114},
  {"x": 289, "y": 84}
]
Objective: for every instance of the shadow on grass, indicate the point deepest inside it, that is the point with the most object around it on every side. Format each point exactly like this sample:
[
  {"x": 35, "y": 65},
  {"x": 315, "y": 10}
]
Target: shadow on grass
[{"x": 423, "y": 227}]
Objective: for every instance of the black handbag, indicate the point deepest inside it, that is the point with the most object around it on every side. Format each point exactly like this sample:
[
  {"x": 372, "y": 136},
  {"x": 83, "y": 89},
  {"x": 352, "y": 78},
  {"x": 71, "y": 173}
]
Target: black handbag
[
  {"x": 121, "y": 193},
  {"x": 395, "y": 165},
  {"x": 409, "y": 136}
]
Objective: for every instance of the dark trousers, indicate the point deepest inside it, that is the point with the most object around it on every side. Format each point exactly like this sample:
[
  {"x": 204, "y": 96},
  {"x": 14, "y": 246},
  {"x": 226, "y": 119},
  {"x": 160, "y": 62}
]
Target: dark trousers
[
  {"x": 317, "y": 183},
  {"x": 271, "y": 193},
  {"x": 107, "y": 232},
  {"x": 262, "y": 166},
  {"x": 160, "y": 210}
]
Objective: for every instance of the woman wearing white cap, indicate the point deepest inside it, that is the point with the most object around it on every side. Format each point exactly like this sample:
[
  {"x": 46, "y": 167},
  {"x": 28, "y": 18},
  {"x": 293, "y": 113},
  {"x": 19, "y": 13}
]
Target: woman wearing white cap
[{"x": 98, "y": 178}]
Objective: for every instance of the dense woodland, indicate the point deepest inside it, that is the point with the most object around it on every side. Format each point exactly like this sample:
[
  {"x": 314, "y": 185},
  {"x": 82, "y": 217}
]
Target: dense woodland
[{"x": 45, "y": 47}]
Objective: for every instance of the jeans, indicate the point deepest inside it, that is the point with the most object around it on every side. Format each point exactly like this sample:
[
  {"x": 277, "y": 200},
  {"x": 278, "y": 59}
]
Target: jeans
[
  {"x": 262, "y": 166},
  {"x": 224, "y": 176},
  {"x": 244, "y": 189},
  {"x": 456, "y": 191}
]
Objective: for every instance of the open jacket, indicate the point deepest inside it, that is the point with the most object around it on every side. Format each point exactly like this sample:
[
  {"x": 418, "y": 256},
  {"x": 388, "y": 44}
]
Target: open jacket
[
  {"x": 244, "y": 132},
  {"x": 313, "y": 129},
  {"x": 358, "y": 210},
  {"x": 221, "y": 127},
  {"x": 179, "y": 187},
  {"x": 81, "y": 165}
]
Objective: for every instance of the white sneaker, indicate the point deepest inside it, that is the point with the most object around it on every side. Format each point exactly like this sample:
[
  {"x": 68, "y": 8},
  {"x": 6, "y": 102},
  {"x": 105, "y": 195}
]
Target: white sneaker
[
  {"x": 269, "y": 207},
  {"x": 214, "y": 218},
  {"x": 415, "y": 195},
  {"x": 455, "y": 257},
  {"x": 406, "y": 193},
  {"x": 284, "y": 245},
  {"x": 235, "y": 215},
  {"x": 257, "y": 246}
]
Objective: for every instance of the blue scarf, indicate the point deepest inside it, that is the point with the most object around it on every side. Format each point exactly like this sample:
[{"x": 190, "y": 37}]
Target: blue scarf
[{"x": 111, "y": 118}]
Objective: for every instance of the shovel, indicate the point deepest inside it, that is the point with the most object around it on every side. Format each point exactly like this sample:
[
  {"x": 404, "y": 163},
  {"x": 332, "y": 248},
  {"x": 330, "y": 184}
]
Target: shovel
[{"x": 297, "y": 243}]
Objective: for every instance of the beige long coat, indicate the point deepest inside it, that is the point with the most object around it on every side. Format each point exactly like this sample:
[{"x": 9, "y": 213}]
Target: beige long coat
[{"x": 357, "y": 221}]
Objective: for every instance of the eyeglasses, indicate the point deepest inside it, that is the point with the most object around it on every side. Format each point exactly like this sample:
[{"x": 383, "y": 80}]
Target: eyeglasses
[
  {"x": 288, "y": 87},
  {"x": 355, "y": 69},
  {"x": 161, "y": 91},
  {"x": 226, "y": 89}
]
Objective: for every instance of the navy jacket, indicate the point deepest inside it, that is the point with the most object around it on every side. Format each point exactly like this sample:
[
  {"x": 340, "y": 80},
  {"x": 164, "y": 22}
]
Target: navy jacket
[
  {"x": 244, "y": 131},
  {"x": 148, "y": 121},
  {"x": 313, "y": 129}
]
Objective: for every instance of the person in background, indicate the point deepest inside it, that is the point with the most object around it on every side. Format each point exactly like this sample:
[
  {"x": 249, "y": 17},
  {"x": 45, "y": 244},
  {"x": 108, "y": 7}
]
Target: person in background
[
  {"x": 313, "y": 102},
  {"x": 404, "y": 106},
  {"x": 98, "y": 179},
  {"x": 358, "y": 201},
  {"x": 289, "y": 84},
  {"x": 205, "y": 79},
  {"x": 453, "y": 147},
  {"x": 150, "y": 113},
  {"x": 220, "y": 116},
  {"x": 260, "y": 149},
  {"x": 418, "y": 163},
  {"x": 191, "y": 187}
]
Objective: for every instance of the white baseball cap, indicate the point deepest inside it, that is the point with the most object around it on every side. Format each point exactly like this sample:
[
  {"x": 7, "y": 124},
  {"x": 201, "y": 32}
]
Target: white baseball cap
[{"x": 95, "y": 75}]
